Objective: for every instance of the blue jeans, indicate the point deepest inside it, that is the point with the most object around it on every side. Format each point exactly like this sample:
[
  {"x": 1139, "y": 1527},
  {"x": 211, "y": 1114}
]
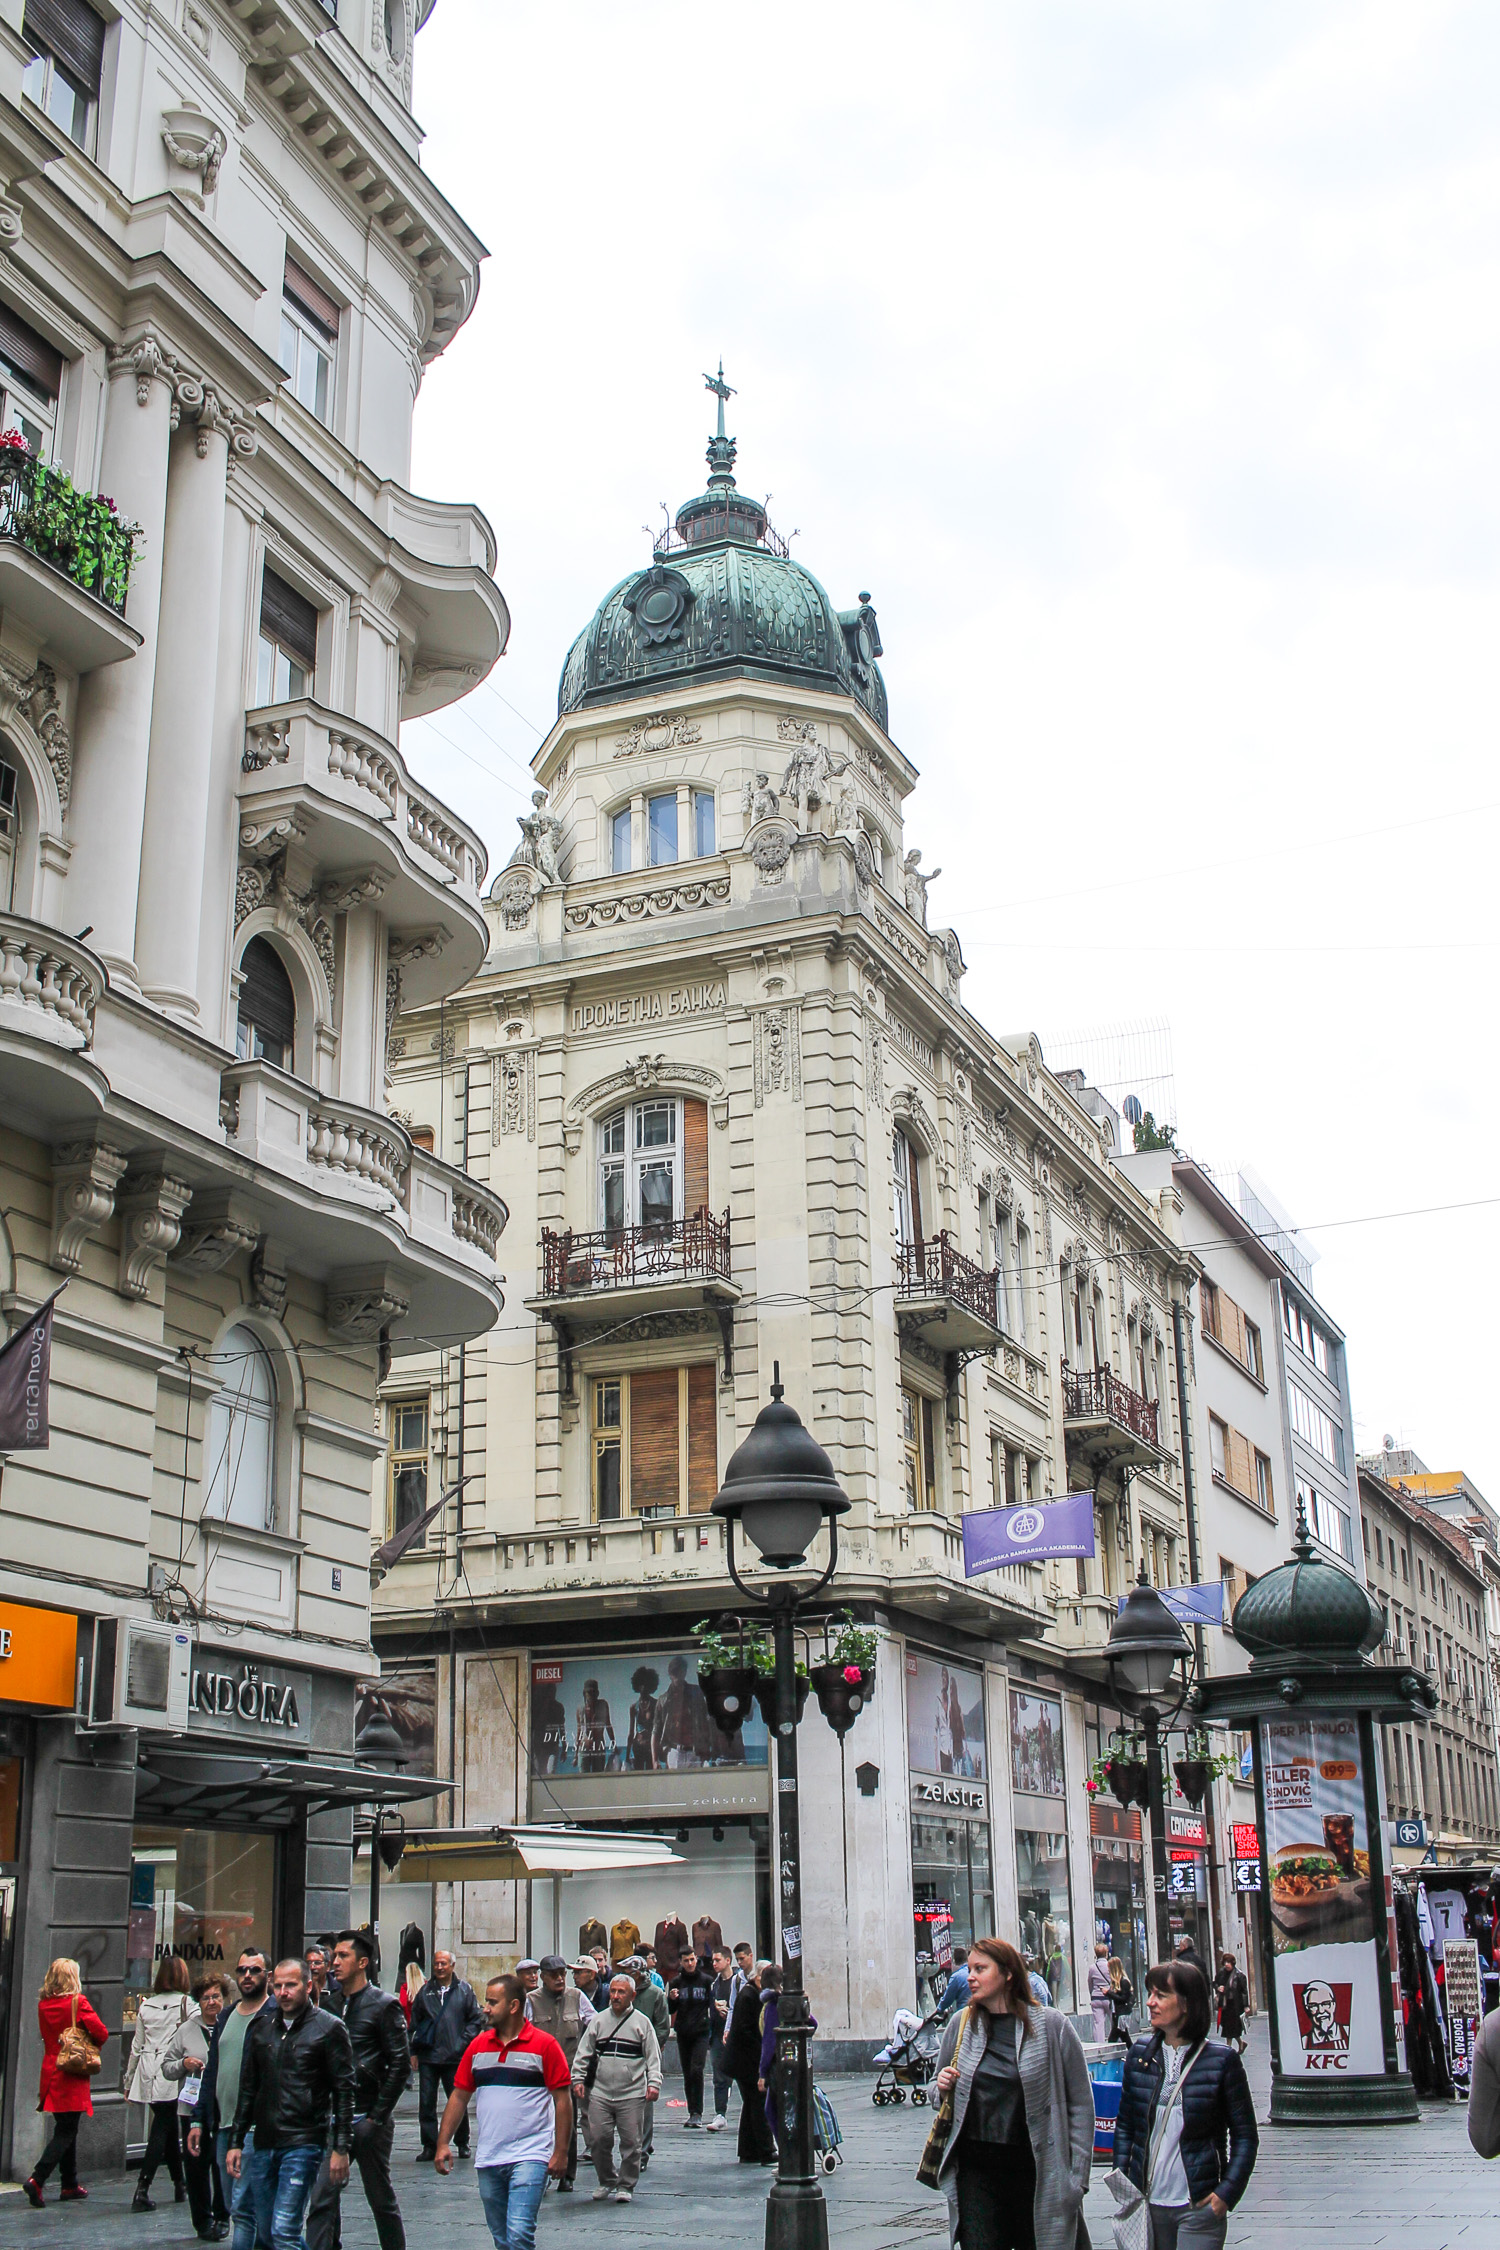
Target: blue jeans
[
  {"x": 240, "y": 2193},
  {"x": 281, "y": 2181},
  {"x": 511, "y": 2195}
]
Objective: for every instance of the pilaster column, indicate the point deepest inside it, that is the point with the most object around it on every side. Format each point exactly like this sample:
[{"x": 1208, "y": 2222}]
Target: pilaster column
[
  {"x": 361, "y": 1004},
  {"x": 174, "y": 844},
  {"x": 113, "y": 732},
  {"x": 221, "y": 854}
]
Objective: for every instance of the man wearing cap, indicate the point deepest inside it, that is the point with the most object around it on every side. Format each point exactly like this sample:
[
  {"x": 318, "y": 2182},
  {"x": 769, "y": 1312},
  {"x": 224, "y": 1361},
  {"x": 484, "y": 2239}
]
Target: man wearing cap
[
  {"x": 376, "y": 2025},
  {"x": 530, "y": 1973},
  {"x": 563, "y": 2014},
  {"x": 651, "y": 2000},
  {"x": 586, "y": 1981}
]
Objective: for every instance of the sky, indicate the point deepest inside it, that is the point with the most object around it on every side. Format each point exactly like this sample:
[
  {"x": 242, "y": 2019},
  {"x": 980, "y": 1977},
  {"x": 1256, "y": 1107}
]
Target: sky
[{"x": 1142, "y": 361}]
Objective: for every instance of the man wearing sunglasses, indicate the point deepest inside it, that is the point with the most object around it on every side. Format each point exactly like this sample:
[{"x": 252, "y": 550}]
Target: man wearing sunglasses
[{"x": 220, "y": 2089}]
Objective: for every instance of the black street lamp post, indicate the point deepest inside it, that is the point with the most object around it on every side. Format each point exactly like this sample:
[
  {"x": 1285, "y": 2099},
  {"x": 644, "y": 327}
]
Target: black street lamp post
[
  {"x": 1145, "y": 1647},
  {"x": 780, "y": 1489}
]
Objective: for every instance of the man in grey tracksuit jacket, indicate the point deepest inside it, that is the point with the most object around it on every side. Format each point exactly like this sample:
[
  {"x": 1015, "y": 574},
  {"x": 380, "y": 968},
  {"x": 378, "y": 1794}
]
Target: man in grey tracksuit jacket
[{"x": 617, "y": 2072}]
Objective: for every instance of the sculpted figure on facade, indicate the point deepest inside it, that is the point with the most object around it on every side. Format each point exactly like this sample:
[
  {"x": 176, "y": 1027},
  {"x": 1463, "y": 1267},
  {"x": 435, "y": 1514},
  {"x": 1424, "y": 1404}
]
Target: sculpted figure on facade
[
  {"x": 541, "y": 840},
  {"x": 760, "y": 800},
  {"x": 914, "y": 886}
]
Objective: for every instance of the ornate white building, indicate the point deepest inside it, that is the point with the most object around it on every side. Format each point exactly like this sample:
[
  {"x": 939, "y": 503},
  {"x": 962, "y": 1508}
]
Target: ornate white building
[
  {"x": 222, "y": 272},
  {"x": 719, "y": 1065}
]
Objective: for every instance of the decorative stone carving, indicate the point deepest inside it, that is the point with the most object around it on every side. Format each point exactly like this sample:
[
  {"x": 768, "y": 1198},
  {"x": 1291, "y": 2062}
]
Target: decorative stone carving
[
  {"x": 666, "y": 1327},
  {"x": 151, "y": 1205},
  {"x": 146, "y": 359},
  {"x": 417, "y": 945},
  {"x": 760, "y": 800},
  {"x": 874, "y": 1064},
  {"x": 541, "y": 841},
  {"x": 660, "y": 732},
  {"x": 872, "y": 765},
  {"x": 268, "y": 1279},
  {"x": 361, "y": 1304},
  {"x": 640, "y": 906},
  {"x": 443, "y": 1044},
  {"x": 197, "y": 30},
  {"x": 778, "y": 1054},
  {"x": 514, "y": 1101},
  {"x": 770, "y": 849},
  {"x": 15, "y": 686},
  {"x": 953, "y": 960},
  {"x": 44, "y": 711},
  {"x": 811, "y": 769},
  {"x": 393, "y": 1045},
  {"x": 197, "y": 146},
  {"x": 908, "y": 1106},
  {"x": 219, "y": 1226},
  {"x": 351, "y": 891},
  {"x": 891, "y": 930},
  {"x": 214, "y": 418},
  {"x": 268, "y": 743},
  {"x": 914, "y": 886},
  {"x": 796, "y": 730},
  {"x": 513, "y": 894},
  {"x": 85, "y": 1175},
  {"x": 659, "y": 602}
]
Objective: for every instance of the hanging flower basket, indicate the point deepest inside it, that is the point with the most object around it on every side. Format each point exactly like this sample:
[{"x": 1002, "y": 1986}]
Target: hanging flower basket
[
  {"x": 729, "y": 1691},
  {"x": 842, "y": 1690},
  {"x": 1192, "y": 1777},
  {"x": 1127, "y": 1778},
  {"x": 765, "y": 1696}
]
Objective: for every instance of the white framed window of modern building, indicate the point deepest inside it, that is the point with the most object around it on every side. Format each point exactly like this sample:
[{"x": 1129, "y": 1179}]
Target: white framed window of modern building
[
  {"x": 640, "y": 1164},
  {"x": 704, "y": 824},
  {"x": 240, "y": 1442},
  {"x": 619, "y": 841},
  {"x": 1253, "y": 1360},
  {"x": 286, "y": 655},
  {"x": 1218, "y": 1447},
  {"x": 1265, "y": 1490},
  {"x": 309, "y": 340},
  {"x": 1315, "y": 1428},
  {"x": 1327, "y": 1522},
  {"x": 66, "y": 66},
  {"x": 661, "y": 829}
]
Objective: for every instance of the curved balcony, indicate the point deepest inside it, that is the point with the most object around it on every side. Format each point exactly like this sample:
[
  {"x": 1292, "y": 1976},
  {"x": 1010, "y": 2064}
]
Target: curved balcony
[
  {"x": 445, "y": 554},
  {"x": 49, "y": 988},
  {"x": 416, "y": 1233},
  {"x": 351, "y": 805},
  {"x": 615, "y": 1274},
  {"x": 1105, "y": 1423},
  {"x": 944, "y": 1297}
]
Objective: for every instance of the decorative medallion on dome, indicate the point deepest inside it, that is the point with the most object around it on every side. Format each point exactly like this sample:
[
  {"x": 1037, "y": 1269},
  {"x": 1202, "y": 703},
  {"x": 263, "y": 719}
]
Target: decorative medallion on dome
[{"x": 659, "y": 601}]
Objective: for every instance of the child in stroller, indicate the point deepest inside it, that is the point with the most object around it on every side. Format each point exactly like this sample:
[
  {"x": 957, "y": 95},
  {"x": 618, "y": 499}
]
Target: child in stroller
[{"x": 908, "y": 2059}]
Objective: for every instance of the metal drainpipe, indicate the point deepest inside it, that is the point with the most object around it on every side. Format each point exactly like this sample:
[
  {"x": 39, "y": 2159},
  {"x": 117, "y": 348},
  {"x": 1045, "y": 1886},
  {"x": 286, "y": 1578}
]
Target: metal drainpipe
[
  {"x": 1190, "y": 1499},
  {"x": 458, "y": 1503}
]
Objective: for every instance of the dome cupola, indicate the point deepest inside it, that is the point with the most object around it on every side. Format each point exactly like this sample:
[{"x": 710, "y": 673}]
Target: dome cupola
[
  {"x": 1308, "y": 1610},
  {"x": 720, "y": 596}
]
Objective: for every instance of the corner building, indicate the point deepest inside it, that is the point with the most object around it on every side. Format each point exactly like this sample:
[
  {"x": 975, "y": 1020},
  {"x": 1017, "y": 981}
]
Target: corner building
[
  {"x": 222, "y": 273},
  {"x": 719, "y": 1066}
]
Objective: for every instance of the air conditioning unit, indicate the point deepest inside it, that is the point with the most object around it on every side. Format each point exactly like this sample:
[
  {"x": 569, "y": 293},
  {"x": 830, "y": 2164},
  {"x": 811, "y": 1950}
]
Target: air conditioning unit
[{"x": 142, "y": 1673}]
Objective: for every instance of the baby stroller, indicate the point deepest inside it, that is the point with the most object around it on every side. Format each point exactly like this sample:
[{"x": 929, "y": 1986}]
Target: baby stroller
[
  {"x": 828, "y": 2134},
  {"x": 909, "y": 2058}
]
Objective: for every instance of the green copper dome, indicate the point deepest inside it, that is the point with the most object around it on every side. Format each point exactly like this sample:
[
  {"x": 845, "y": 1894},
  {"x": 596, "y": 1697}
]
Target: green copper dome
[
  {"x": 1308, "y": 1609},
  {"x": 722, "y": 596}
]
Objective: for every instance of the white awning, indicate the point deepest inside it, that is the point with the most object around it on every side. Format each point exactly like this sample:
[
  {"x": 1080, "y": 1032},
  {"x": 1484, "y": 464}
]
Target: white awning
[{"x": 521, "y": 1855}]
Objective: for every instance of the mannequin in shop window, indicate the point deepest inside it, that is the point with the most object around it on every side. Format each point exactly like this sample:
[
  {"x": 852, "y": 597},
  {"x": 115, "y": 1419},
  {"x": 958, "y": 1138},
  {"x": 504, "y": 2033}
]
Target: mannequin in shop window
[{"x": 671, "y": 1943}]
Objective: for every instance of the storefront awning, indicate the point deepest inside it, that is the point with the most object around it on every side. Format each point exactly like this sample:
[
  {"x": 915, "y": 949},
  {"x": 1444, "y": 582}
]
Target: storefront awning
[
  {"x": 520, "y": 1855},
  {"x": 174, "y": 1782}
]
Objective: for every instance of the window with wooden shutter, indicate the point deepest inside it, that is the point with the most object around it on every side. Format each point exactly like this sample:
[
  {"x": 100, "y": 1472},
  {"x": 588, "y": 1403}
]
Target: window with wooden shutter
[
  {"x": 703, "y": 1438},
  {"x": 287, "y": 656},
  {"x": 694, "y": 1158},
  {"x": 1241, "y": 1473},
  {"x": 655, "y": 1470}
]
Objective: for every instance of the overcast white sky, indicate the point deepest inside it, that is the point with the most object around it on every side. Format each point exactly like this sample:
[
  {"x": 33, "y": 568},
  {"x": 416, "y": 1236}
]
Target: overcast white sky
[{"x": 1142, "y": 358}]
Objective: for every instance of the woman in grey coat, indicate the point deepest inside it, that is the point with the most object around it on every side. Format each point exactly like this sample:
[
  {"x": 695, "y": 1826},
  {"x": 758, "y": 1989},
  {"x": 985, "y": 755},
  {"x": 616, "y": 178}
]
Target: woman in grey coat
[{"x": 1016, "y": 2166}]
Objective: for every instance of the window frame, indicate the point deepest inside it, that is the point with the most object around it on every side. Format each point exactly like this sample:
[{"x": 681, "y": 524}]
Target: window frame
[
  {"x": 621, "y": 831},
  {"x": 664, "y": 858},
  {"x": 635, "y": 1157},
  {"x": 312, "y": 334},
  {"x": 919, "y": 1453},
  {"x": 223, "y": 1411},
  {"x": 402, "y": 1459},
  {"x": 705, "y": 801},
  {"x": 85, "y": 141},
  {"x": 614, "y": 1438}
]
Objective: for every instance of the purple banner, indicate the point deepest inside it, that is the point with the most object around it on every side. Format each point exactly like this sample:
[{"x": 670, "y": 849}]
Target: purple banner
[
  {"x": 997, "y": 1536},
  {"x": 26, "y": 1381}
]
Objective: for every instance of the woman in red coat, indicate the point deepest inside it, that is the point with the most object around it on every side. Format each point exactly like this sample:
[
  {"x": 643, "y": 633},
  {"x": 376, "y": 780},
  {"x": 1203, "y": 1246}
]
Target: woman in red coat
[{"x": 63, "y": 2097}]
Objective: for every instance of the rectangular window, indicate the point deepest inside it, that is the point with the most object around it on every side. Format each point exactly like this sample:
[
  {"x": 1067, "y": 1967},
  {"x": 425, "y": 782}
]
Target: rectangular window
[
  {"x": 1364, "y": 1524},
  {"x": 309, "y": 336},
  {"x": 1327, "y": 1522},
  {"x": 407, "y": 1423},
  {"x": 1251, "y": 1352},
  {"x": 287, "y": 654},
  {"x": 1315, "y": 1428},
  {"x": 1014, "y": 1466},
  {"x": 66, "y": 39},
  {"x": 1264, "y": 1489},
  {"x": 917, "y": 1446},
  {"x": 1218, "y": 1445},
  {"x": 619, "y": 830},
  {"x": 662, "y": 829},
  {"x": 655, "y": 1442},
  {"x": 703, "y": 823},
  {"x": 1405, "y": 1572},
  {"x": 1001, "y": 1240},
  {"x": 1379, "y": 1548},
  {"x": 30, "y": 380}
]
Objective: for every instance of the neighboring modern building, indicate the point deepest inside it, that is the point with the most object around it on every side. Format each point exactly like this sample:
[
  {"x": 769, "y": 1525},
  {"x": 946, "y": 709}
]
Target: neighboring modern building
[
  {"x": 719, "y": 1065},
  {"x": 223, "y": 272},
  {"x": 1435, "y": 1580}
]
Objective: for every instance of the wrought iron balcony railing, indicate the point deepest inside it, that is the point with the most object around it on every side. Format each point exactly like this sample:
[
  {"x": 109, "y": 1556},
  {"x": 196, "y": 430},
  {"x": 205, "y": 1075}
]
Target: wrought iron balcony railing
[
  {"x": 933, "y": 1268},
  {"x": 691, "y": 1249},
  {"x": 76, "y": 532},
  {"x": 1096, "y": 1394}
]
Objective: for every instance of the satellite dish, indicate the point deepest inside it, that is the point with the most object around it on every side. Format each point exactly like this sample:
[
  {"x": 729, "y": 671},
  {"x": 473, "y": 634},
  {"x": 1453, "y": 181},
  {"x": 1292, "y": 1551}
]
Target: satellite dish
[
  {"x": 1132, "y": 1109},
  {"x": 1388, "y": 1442}
]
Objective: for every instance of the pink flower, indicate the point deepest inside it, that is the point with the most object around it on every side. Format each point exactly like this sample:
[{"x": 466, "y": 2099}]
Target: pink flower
[
  {"x": 1092, "y": 1787},
  {"x": 853, "y": 1674}
]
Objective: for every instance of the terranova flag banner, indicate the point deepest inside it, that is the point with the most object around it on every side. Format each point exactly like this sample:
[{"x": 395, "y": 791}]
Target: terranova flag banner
[
  {"x": 994, "y": 1537},
  {"x": 26, "y": 1381}
]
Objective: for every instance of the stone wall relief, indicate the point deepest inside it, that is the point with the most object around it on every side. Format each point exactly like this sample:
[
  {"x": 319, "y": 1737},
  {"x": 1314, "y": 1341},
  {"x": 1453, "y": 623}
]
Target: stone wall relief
[
  {"x": 777, "y": 1052},
  {"x": 661, "y": 731},
  {"x": 639, "y": 906},
  {"x": 513, "y": 1102},
  {"x": 196, "y": 146}
]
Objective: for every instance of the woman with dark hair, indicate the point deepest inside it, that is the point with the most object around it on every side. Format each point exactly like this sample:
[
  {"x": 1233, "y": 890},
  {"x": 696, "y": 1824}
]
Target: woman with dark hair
[
  {"x": 742, "y": 2061},
  {"x": 1182, "y": 2104},
  {"x": 160, "y": 2017},
  {"x": 645, "y": 1681},
  {"x": 770, "y": 2018},
  {"x": 1232, "y": 1996},
  {"x": 1016, "y": 2163}
]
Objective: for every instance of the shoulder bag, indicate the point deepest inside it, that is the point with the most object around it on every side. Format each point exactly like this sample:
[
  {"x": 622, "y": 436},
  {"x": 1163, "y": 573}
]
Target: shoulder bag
[
  {"x": 1132, "y": 2222},
  {"x": 941, "y": 2130},
  {"x": 77, "y": 2056}
]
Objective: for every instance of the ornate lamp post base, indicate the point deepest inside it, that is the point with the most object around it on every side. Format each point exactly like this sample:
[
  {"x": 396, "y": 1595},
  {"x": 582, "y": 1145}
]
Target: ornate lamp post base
[
  {"x": 796, "y": 2217},
  {"x": 1345, "y": 2101}
]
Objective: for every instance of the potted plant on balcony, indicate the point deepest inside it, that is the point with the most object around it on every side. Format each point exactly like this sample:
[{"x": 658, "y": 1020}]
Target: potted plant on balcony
[
  {"x": 725, "y": 1676},
  {"x": 844, "y": 1683}
]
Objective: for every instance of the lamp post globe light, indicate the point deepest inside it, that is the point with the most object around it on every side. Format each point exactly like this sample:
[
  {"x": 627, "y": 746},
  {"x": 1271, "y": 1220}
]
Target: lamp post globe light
[
  {"x": 1145, "y": 1647},
  {"x": 779, "y": 1489}
]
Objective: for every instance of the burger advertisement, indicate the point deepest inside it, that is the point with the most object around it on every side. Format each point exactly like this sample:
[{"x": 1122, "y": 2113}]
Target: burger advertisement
[{"x": 1320, "y": 1895}]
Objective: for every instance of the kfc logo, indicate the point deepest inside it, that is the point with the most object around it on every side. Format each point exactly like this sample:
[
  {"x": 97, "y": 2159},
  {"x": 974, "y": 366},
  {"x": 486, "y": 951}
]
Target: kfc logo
[{"x": 1323, "y": 2012}]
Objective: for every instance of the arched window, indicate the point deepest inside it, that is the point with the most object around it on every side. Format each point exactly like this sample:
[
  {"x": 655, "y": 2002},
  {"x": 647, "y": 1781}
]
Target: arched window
[
  {"x": 653, "y": 1162},
  {"x": 908, "y": 1189},
  {"x": 239, "y": 1469},
  {"x": 267, "y": 1026}
]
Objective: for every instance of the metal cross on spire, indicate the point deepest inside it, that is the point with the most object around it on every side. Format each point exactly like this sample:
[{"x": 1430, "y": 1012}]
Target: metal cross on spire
[{"x": 721, "y": 391}]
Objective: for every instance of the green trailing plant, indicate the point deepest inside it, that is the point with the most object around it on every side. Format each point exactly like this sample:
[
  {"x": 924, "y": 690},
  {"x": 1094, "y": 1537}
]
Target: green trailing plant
[
  {"x": 854, "y": 1648},
  {"x": 81, "y": 533},
  {"x": 716, "y": 1654}
]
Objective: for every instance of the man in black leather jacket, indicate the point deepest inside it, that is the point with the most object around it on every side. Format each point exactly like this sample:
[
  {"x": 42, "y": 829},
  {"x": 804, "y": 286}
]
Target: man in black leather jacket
[
  {"x": 382, "y": 2069},
  {"x": 297, "y": 2096}
]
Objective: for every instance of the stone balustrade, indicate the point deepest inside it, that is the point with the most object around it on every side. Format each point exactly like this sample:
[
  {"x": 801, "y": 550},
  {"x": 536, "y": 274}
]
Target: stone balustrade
[
  {"x": 361, "y": 1145},
  {"x": 49, "y": 985}
]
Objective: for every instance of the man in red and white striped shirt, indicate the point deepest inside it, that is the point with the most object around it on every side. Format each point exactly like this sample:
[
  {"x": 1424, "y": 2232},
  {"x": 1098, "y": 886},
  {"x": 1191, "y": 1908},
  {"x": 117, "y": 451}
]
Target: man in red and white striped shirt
[{"x": 517, "y": 2079}]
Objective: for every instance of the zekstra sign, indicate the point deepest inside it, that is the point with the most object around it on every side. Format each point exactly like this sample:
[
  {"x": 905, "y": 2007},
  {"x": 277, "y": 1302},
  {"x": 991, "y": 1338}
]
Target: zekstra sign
[{"x": 264, "y": 1703}]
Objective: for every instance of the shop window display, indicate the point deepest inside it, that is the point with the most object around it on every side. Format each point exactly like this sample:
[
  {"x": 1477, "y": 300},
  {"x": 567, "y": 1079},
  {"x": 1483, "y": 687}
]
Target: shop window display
[
  {"x": 202, "y": 1893},
  {"x": 1045, "y": 1910}
]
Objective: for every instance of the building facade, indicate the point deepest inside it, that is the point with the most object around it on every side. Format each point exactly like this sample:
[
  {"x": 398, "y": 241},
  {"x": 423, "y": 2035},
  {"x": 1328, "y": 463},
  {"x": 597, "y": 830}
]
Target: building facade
[
  {"x": 223, "y": 271},
  {"x": 719, "y": 1066}
]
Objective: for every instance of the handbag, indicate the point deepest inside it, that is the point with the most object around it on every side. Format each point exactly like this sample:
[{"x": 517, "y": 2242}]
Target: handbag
[
  {"x": 937, "y": 2144},
  {"x": 1132, "y": 2220},
  {"x": 77, "y": 2056}
]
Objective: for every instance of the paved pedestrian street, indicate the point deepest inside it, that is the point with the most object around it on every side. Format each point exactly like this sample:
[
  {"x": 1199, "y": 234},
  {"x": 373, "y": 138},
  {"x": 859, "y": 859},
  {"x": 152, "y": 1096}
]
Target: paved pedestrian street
[{"x": 1419, "y": 2186}]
